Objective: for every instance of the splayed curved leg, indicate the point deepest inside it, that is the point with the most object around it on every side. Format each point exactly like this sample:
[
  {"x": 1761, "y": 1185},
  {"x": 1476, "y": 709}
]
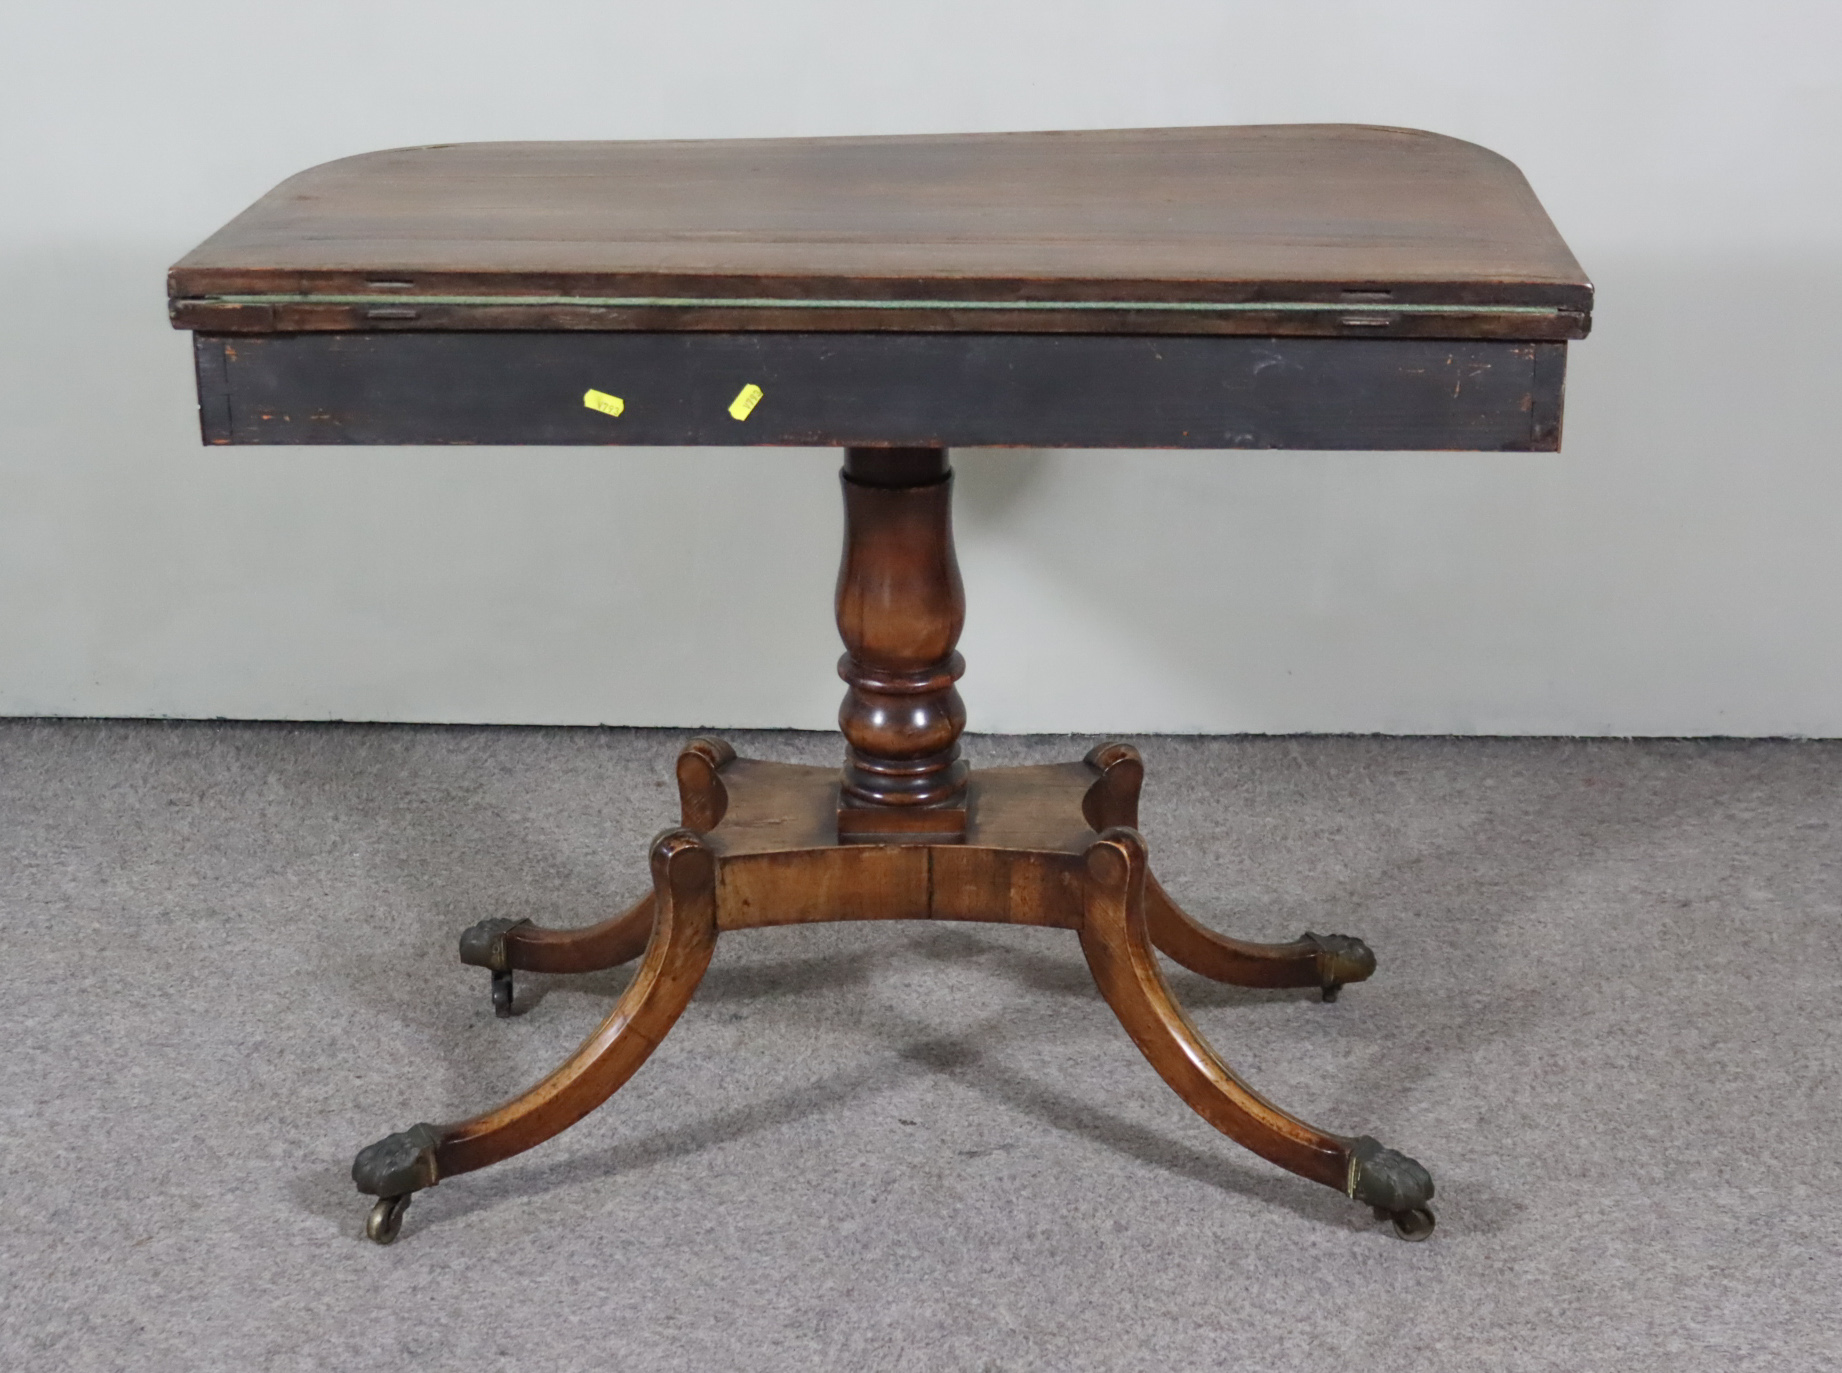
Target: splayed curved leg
[
  {"x": 1312, "y": 960},
  {"x": 501, "y": 945},
  {"x": 1327, "y": 961},
  {"x": 683, "y": 938},
  {"x": 1116, "y": 938}
]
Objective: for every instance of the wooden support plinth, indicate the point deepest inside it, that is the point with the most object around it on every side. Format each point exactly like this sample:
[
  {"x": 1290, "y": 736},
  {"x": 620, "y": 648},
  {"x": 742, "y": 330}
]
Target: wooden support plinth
[
  {"x": 1053, "y": 846},
  {"x": 903, "y": 832}
]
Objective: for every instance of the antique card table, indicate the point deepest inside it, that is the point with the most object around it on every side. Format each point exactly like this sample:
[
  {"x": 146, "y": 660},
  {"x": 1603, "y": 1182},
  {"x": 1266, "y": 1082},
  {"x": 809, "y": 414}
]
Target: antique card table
[{"x": 1303, "y": 287}]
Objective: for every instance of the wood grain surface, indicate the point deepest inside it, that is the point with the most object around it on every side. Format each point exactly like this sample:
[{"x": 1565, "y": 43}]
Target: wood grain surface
[{"x": 1265, "y": 229}]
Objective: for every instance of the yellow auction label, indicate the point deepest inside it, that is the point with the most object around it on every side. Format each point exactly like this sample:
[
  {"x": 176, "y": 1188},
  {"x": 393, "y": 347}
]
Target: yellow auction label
[
  {"x": 746, "y": 400},
  {"x": 602, "y": 401}
]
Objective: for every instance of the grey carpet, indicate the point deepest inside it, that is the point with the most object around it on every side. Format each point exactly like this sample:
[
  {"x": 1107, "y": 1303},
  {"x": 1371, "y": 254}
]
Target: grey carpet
[{"x": 1606, "y": 1017}]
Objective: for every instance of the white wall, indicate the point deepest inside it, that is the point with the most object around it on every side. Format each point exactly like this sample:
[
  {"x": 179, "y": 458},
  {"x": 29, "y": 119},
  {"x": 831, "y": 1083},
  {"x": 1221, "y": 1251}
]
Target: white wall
[{"x": 1677, "y": 570}]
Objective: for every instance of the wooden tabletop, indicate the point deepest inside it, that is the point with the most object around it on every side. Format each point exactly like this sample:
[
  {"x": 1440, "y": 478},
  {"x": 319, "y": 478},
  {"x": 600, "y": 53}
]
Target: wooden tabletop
[{"x": 1338, "y": 230}]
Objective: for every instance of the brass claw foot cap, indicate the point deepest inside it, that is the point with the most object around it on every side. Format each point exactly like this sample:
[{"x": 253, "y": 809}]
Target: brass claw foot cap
[
  {"x": 398, "y": 1164},
  {"x": 1342, "y": 958},
  {"x": 1388, "y": 1180},
  {"x": 483, "y": 945}
]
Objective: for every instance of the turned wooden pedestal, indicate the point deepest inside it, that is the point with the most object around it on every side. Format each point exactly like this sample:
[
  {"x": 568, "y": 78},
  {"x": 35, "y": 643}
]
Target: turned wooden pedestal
[
  {"x": 1271, "y": 287},
  {"x": 902, "y": 832}
]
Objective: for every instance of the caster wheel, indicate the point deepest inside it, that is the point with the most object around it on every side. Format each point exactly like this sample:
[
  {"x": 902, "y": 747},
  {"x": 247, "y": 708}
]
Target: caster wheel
[
  {"x": 502, "y": 994},
  {"x": 386, "y": 1218},
  {"x": 1413, "y": 1225},
  {"x": 1331, "y": 990}
]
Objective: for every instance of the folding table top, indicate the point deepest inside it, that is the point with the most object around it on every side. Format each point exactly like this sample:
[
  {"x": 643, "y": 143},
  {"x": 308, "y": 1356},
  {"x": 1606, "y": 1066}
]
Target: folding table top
[{"x": 1327, "y": 230}]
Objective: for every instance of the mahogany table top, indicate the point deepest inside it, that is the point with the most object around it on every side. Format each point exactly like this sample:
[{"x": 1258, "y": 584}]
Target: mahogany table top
[{"x": 1327, "y": 230}]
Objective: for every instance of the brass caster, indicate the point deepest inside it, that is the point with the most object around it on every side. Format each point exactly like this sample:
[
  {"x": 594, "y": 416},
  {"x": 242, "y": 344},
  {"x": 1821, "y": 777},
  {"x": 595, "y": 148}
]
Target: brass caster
[
  {"x": 1412, "y": 1225},
  {"x": 386, "y": 1218},
  {"x": 502, "y": 993}
]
